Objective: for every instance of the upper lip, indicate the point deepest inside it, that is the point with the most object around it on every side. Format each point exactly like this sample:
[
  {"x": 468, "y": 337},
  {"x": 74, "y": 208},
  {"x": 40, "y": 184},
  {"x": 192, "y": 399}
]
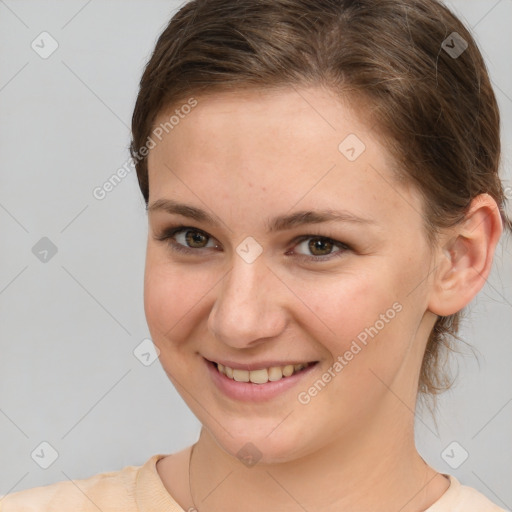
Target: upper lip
[{"x": 256, "y": 365}]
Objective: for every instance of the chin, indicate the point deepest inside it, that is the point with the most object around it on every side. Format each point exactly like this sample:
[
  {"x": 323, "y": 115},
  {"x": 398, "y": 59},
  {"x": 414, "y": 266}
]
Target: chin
[{"x": 267, "y": 442}]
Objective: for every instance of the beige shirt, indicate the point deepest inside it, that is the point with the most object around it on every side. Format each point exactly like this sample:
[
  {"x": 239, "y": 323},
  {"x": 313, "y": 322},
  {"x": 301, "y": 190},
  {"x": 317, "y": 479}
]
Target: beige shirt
[{"x": 140, "y": 489}]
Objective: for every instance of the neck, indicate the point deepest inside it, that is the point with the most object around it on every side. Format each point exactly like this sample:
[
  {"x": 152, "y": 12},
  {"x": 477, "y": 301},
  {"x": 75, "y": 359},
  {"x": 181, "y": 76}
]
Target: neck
[{"x": 357, "y": 471}]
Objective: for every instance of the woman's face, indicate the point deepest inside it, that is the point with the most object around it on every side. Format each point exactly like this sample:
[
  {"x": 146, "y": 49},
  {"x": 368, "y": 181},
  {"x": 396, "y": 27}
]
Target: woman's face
[{"x": 299, "y": 245}]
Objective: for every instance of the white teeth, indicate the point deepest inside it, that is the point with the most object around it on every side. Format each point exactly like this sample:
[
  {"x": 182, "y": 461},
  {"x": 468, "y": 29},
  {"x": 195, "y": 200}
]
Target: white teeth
[
  {"x": 262, "y": 376},
  {"x": 241, "y": 375},
  {"x": 259, "y": 376},
  {"x": 287, "y": 370},
  {"x": 275, "y": 373}
]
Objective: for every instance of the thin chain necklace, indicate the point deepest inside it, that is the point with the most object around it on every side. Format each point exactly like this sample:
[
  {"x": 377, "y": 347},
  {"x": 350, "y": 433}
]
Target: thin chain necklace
[{"x": 189, "y": 477}]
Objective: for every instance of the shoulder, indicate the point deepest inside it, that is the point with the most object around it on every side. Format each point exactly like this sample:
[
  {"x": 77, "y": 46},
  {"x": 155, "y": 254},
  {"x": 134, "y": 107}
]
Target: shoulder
[
  {"x": 462, "y": 498},
  {"x": 471, "y": 499},
  {"x": 104, "y": 491}
]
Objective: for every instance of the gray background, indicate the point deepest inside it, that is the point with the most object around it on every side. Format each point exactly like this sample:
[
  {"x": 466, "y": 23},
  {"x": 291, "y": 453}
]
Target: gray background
[{"x": 69, "y": 326}]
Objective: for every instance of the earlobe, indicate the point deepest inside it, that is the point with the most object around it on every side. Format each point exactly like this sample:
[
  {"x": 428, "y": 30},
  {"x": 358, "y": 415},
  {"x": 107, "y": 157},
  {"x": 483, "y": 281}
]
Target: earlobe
[{"x": 465, "y": 261}]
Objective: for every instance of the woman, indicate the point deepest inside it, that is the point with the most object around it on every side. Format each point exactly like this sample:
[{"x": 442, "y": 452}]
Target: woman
[{"x": 321, "y": 180}]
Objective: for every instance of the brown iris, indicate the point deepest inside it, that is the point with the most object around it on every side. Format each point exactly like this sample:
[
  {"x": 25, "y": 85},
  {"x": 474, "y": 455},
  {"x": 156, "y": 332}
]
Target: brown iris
[
  {"x": 321, "y": 244},
  {"x": 195, "y": 237}
]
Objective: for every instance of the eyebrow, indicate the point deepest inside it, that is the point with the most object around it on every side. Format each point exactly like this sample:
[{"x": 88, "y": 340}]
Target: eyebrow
[{"x": 279, "y": 223}]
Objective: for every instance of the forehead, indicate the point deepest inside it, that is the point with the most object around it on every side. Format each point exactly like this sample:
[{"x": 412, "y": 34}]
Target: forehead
[
  {"x": 276, "y": 147},
  {"x": 289, "y": 113}
]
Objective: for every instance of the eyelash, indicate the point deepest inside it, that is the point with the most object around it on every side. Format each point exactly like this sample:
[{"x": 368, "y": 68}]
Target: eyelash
[{"x": 168, "y": 234}]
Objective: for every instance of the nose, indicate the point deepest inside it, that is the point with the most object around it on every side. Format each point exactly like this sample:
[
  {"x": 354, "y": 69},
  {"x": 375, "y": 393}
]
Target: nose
[{"x": 249, "y": 305}]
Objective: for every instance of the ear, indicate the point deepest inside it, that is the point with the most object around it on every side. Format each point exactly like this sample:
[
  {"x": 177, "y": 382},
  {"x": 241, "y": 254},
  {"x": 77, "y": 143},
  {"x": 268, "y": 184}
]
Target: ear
[{"x": 465, "y": 257}]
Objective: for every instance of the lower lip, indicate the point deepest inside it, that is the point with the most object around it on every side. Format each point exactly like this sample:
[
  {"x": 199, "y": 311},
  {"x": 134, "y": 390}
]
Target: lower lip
[{"x": 250, "y": 392}]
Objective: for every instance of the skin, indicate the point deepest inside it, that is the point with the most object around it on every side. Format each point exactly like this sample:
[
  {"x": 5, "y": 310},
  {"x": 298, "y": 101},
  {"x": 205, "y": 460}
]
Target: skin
[{"x": 248, "y": 156}]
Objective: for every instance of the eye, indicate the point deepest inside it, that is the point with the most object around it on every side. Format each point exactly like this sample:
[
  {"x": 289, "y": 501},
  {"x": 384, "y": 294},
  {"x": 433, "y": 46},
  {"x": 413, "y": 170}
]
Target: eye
[
  {"x": 193, "y": 238},
  {"x": 320, "y": 247},
  {"x": 187, "y": 239}
]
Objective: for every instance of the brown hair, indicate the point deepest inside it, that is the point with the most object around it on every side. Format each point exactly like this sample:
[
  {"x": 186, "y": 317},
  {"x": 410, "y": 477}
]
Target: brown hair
[{"x": 436, "y": 108}]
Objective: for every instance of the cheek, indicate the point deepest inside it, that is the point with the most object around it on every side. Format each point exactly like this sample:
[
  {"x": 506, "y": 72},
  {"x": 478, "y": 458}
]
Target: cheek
[
  {"x": 363, "y": 323},
  {"x": 173, "y": 297},
  {"x": 361, "y": 349},
  {"x": 346, "y": 306}
]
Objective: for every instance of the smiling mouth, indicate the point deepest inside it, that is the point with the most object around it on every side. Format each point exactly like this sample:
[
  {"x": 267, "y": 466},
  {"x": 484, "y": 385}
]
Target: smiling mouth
[{"x": 263, "y": 375}]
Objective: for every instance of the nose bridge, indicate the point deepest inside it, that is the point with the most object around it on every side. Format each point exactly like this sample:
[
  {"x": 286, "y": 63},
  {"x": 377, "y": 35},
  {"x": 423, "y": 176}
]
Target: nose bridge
[{"x": 246, "y": 307}]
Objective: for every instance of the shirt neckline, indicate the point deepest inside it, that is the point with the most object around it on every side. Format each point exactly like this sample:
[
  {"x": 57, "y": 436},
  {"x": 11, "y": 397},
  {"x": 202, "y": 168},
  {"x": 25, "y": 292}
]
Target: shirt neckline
[{"x": 152, "y": 496}]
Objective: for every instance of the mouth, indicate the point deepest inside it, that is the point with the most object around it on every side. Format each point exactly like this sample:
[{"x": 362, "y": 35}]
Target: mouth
[{"x": 262, "y": 376}]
